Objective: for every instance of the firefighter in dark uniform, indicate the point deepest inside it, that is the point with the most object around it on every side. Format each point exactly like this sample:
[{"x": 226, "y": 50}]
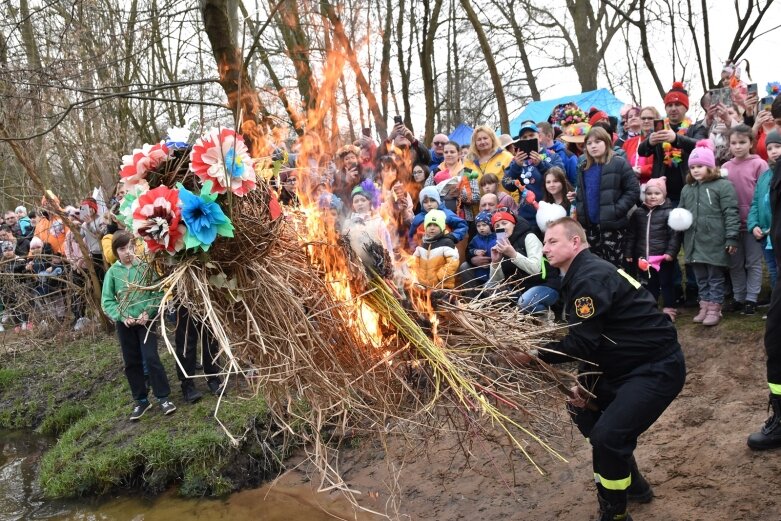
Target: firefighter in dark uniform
[
  {"x": 769, "y": 436},
  {"x": 618, "y": 331}
]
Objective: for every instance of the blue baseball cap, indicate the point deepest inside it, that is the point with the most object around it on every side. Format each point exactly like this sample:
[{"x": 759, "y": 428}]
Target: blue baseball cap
[{"x": 528, "y": 126}]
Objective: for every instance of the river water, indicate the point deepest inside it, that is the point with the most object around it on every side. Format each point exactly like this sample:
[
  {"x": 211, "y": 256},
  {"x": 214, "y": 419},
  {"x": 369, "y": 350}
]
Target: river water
[{"x": 21, "y": 499}]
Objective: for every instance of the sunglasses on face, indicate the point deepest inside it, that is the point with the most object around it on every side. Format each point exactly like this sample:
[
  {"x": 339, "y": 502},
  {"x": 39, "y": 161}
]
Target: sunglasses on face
[
  {"x": 440, "y": 143},
  {"x": 647, "y": 119}
]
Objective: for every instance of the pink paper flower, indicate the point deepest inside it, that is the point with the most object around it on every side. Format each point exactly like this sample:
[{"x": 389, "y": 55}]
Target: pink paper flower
[
  {"x": 137, "y": 165},
  {"x": 222, "y": 157},
  {"x": 158, "y": 220}
]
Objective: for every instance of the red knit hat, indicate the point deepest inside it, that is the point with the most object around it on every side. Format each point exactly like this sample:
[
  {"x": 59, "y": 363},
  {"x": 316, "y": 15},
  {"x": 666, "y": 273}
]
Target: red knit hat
[
  {"x": 502, "y": 216},
  {"x": 91, "y": 203},
  {"x": 595, "y": 115},
  {"x": 678, "y": 94}
]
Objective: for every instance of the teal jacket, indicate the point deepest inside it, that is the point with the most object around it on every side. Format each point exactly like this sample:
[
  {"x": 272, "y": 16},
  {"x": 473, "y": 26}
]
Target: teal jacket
[
  {"x": 714, "y": 206},
  {"x": 760, "y": 213},
  {"x": 122, "y": 297}
]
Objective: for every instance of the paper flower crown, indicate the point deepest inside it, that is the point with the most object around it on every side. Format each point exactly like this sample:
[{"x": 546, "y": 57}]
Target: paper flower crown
[
  {"x": 567, "y": 114},
  {"x": 159, "y": 209}
]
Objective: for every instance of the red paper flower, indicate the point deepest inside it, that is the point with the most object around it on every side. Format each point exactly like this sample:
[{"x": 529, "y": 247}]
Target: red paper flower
[
  {"x": 222, "y": 157},
  {"x": 158, "y": 221},
  {"x": 137, "y": 165}
]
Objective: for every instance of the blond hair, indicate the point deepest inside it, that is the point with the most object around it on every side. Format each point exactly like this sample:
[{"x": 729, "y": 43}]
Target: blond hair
[
  {"x": 573, "y": 228},
  {"x": 488, "y": 130}
]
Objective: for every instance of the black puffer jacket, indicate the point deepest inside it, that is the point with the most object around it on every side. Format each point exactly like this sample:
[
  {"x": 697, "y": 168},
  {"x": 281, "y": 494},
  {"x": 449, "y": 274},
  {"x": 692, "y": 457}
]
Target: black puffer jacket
[
  {"x": 618, "y": 192},
  {"x": 649, "y": 234},
  {"x": 549, "y": 276}
]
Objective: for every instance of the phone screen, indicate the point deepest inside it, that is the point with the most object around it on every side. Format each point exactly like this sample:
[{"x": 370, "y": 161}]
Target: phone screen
[
  {"x": 500, "y": 234},
  {"x": 752, "y": 88},
  {"x": 658, "y": 125},
  {"x": 766, "y": 103}
]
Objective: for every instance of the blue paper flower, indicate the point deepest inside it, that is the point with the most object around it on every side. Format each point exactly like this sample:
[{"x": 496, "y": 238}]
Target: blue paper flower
[{"x": 203, "y": 217}]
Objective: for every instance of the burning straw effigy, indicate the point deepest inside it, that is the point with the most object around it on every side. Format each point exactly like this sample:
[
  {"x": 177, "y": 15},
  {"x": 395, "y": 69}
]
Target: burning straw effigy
[{"x": 332, "y": 342}]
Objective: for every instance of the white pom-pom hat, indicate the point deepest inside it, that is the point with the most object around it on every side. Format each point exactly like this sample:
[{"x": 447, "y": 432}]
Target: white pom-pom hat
[
  {"x": 680, "y": 219},
  {"x": 548, "y": 212}
]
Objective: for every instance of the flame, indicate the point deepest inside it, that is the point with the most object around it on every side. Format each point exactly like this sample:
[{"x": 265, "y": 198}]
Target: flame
[{"x": 316, "y": 227}]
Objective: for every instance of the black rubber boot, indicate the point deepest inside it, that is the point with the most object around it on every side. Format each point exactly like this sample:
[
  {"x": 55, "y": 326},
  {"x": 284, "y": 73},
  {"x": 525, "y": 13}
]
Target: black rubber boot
[
  {"x": 769, "y": 436},
  {"x": 640, "y": 490},
  {"x": 611, "y": 506},
  {"x": 190, "y": 393}
]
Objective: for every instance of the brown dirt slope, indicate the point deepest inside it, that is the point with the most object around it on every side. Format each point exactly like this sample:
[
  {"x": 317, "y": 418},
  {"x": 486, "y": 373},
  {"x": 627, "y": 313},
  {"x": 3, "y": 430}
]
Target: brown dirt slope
[{"x": 695, "y": 456}]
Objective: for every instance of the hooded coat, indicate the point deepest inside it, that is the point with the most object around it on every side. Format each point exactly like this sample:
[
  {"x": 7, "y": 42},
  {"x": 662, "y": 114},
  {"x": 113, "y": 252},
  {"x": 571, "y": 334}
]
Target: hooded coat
[{"x": 715, "y": 224}]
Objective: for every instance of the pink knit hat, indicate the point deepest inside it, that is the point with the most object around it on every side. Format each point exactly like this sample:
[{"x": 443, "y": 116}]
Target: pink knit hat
[
  {"x": 660, "y": 183},
  {"x": 442, "y": 175},
  {"x": 703, "y": 154}
]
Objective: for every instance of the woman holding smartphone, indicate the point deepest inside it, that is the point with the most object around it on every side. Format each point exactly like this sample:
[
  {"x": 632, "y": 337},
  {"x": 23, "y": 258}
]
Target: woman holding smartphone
[
  {"x": 640, "y": 123},
  {"x": 517, "y": 259}
]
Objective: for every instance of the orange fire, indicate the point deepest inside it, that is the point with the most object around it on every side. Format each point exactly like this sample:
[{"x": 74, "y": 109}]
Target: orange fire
[{"x": 317, "y": 227}]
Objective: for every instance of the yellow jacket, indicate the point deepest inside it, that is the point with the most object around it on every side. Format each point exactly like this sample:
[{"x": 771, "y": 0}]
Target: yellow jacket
[
  {"x": 496, "y": 166},
  {"x": 435, "y": 263}
]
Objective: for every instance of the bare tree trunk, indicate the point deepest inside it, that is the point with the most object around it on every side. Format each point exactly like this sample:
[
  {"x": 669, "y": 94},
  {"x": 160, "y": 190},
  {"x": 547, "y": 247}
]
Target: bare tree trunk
[
  {"x": 426, "y": 57},
  {"x": 642, "y": 25},
  {"x": 347, "y": 109},
  {"x": 504, "y": 120},
  {"x": 344, "y": 43},
  {"x": 298, "y": 47},
  {"x": 404, "y": 72},
  {"x": 520, "y": 42},
  {"x": 221, "y": 23},
  {"x": 386, "y": 56}
]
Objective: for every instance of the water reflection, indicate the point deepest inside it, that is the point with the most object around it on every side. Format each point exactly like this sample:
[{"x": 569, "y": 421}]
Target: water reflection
[{"x": 20, "y": 497}]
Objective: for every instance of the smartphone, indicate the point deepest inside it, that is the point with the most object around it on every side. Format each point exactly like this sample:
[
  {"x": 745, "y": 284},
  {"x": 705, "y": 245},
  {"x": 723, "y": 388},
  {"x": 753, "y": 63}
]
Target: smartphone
[
  {"x": 500, "y": 234},
  {"x": 725, "y": 97},
  {"x": 397, "y": 120},
  {"x": 752, "y": 89},
  {"x": 528, "y": 145},
  {"x": 766, "y": 103},
  {"x": 367, "y": 132},
  {"x": 658, "y": 125}
]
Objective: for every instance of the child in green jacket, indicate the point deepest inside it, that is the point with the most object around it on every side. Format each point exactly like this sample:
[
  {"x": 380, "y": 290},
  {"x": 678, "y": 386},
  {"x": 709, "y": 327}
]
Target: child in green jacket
[
  {"x": 760, "y": 216},
  {"x": 713, "y": 235},
  {"x": 132, "y": 308}
]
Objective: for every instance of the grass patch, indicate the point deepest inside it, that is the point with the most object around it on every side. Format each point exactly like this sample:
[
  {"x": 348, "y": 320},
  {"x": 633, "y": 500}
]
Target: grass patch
[
  {"x": 79, "y": 392},
  {"x": 62, "y": 418},
  {"x": 8, "y": 377}
]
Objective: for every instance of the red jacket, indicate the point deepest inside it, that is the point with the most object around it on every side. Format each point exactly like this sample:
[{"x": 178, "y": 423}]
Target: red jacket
[{"x": 646, "y": 164}]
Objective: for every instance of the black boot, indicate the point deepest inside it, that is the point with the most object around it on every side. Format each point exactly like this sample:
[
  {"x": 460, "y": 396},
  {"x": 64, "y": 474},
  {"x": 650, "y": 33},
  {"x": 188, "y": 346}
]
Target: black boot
[
  {"x": 190, "y": 393},
  {"x": 769, "y": 436},
  {"x": 215, "y": 386},
  {"x": 611, "y": 506},
  {"x": 639, "y": 490}
]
